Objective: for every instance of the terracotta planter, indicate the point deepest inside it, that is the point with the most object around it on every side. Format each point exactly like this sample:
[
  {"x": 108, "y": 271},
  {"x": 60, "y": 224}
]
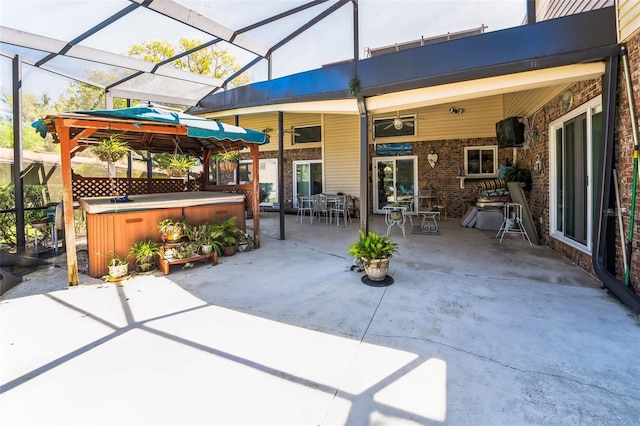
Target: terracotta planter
[
  {"x": 376, "y": 269},
  {"x": 229, "y": 251},
  {"x": 227, "y": 166}
]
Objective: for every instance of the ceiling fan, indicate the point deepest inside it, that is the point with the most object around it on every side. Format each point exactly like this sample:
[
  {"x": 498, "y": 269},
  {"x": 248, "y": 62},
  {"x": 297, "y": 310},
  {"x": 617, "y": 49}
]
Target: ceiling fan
[{"x": 398, "y": 123}]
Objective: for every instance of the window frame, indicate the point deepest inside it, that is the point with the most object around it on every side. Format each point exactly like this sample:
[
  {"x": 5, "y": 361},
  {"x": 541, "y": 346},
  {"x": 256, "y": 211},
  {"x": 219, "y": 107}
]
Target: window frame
[
  {"x": 295, "y": 129},
  {"x": 377, "y": 122},
  {"x": 590, "y": 108},
  {"x": 494, "y": 149}
]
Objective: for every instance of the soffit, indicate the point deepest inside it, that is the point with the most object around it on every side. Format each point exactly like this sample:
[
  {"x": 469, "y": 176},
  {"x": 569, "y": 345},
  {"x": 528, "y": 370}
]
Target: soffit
[{"x": 548, "y": 82}]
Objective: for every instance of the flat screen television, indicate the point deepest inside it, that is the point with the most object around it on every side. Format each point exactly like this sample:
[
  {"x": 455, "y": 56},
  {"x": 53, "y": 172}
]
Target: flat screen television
[{"x": 510, "y": 132}]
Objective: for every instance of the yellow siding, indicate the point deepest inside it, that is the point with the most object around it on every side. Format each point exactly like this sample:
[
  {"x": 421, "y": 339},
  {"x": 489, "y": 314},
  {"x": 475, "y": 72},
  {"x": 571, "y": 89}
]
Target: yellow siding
[
  {"x": 437, "y": 123},
  {"x": 342, "y": 154},
  {"x": 549, "y": 9},
  {"x": 260, "y": 122},
  {"x": 628, "y": 13},
  {"x": 527, "y": 102}
]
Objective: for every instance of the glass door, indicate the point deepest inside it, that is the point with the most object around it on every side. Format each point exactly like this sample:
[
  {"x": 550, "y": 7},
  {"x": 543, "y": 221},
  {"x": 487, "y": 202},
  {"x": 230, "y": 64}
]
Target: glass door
[
  {"x": 307, "y": 179},
  {"x": 395, "y": 181}
]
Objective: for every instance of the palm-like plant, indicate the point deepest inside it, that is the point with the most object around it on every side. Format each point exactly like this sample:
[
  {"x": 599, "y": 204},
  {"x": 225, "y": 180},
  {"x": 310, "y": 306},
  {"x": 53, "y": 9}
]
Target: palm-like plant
[{"x": 111, "y": 150}]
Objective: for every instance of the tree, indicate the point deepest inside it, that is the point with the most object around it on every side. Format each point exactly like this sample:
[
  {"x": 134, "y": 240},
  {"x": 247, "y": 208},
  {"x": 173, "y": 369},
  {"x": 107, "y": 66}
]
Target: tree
[{"x": 212, "y": 61}]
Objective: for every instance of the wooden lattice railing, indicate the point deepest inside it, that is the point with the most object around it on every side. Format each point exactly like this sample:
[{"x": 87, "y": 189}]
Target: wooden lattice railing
[
  {"x": 246, "y": 189},
  {"x": 101, "y": 187}
]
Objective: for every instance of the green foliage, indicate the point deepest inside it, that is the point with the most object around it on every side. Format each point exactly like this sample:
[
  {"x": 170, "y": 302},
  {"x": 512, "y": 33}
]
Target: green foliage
[
  {"x": 372, "y": 246},
  {"x": 175, "y": 164},
  {"x": 516, "y": 173},
  {"x": 111, "y": 150},
  {"x": 227, "y": 155},
  {"x": 142, "y": 250},
  {"x": 34, "y": 196},
  {"x": 227, "y": 232},
  {"x": 212, "y": 61}
]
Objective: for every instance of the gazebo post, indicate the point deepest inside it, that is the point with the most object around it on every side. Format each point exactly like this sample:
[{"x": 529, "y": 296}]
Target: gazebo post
[{"x": 67, "y": 202}]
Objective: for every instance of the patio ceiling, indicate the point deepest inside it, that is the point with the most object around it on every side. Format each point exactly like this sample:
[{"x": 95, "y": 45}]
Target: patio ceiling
[{"x": 84, "y": 50}]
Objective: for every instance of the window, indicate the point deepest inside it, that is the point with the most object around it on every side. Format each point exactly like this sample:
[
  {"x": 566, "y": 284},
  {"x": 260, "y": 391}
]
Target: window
[
  {"x": 394, "y": 126},
  {"x": 481, "y": 161},
  {"x": 307, "y": 134},
  {"x": 575, "y": 160},
  {"x": 268, "y": 175}
]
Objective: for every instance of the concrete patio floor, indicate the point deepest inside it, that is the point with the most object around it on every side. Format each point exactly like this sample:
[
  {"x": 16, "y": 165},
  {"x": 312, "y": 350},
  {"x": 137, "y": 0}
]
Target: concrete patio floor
[{"x": 471, "y": 332}]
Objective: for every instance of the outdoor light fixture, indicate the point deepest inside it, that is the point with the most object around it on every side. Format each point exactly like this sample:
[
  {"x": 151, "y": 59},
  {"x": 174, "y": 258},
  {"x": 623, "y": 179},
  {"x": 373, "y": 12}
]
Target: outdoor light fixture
[{"x": 454, "y": 110}]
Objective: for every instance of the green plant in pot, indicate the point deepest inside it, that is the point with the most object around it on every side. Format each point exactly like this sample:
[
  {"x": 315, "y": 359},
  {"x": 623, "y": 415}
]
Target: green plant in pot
[
  {"x": 171, "y": 230},
  {"x": 374, "y": 251},
  {"x": 145, "y": 254},
  {"x": 228, "y": 235},
  {"x": 227, "y": 160},
  {"x": 111, "y": 150},
  {"x": 516, "y": 173},
  {"x": 178, "y": 165},
  {"x": 118, "y": 267}
]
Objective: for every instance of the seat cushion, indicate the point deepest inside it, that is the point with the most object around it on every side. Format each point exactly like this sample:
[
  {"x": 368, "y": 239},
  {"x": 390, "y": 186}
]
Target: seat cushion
[
  {"x": 469, "y": 218},
  {"x": 489, "y": 220}
]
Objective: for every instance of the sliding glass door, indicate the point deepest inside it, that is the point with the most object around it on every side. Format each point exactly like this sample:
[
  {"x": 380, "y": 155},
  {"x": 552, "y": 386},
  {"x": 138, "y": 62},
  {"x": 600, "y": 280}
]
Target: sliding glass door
[
  {"x": 396, "y": 179},
  {"x": 307, "y": 178}
]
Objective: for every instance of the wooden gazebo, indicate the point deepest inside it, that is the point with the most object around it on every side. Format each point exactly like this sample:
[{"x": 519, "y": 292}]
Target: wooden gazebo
[{"x": 154, "y": 130}]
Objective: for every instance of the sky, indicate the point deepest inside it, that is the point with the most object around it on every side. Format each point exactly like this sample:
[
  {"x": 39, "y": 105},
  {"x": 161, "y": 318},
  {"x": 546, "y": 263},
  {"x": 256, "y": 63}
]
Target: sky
[{"x": 381, "y": 23}]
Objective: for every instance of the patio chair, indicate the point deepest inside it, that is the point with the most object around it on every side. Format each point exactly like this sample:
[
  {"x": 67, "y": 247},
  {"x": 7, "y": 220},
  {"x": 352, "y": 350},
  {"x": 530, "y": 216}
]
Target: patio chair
[
  {"x": 305, "y": 205},
  {"x": 441, "y": 203},
  {"x": 340, "y": 206},
  {"x": 320, "y": 207}
]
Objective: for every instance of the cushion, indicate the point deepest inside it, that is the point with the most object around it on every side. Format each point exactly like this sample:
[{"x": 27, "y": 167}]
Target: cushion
[
  {"x": 489, "y": 220},
  {"x": 469, "y": 218}
]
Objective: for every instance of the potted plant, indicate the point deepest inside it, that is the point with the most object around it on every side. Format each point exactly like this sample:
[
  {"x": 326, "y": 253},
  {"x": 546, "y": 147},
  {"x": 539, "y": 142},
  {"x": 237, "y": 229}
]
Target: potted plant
[
  {"x": 396, "y": 212},
  {"x": 228, "y": 234},
  {"x": 171, "y": 230},
  {"x": 178, "y": 165},
  {"x": 227, "y": 160},
  {"x": 244, "y": 242},
  {"x": 374, "y": 251},
  {"x": 111, "y": 150},
  {"x": 145, "y": 254},
  {"x": 118, "y": 267},
  {"x": 516, "y": 173}
]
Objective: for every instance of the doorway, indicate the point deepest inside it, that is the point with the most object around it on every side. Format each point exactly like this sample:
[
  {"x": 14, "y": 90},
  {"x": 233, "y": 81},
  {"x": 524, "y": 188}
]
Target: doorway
[
  {"x": 395, "y": 181},
  {"x": 307, "y": 179}
]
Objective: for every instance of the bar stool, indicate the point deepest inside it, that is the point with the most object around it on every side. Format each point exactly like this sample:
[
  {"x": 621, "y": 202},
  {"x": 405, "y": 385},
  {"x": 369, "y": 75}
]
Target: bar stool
[{"x": 512, "y": 222}]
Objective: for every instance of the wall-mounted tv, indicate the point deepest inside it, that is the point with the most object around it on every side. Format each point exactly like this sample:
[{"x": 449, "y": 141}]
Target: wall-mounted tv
[{"x": 510, "y": 132}]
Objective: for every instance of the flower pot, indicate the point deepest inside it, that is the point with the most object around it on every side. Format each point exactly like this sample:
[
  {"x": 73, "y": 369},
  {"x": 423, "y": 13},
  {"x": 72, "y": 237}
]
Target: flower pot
[
  {"x": 117, "y": 271},
  {"x": 227, "y": 166},
  {"x": 376, "y": 269},
  {"x": 206, "y": 249},
  {"x": 243, "y": 246},
  {"x": 229, "y": 251},
  {"x": 396, "y": 215}
]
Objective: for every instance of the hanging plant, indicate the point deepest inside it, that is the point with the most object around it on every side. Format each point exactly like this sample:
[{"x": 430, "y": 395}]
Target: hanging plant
[
  {"x": 178, "y": 165},
  {"x": 354, "y": 86},
  {"x": 227, "y": 160},
  {"x": 111, "y": 150}
]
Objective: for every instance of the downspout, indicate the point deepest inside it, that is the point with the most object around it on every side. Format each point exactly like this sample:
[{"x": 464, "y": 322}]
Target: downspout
[{"x": 605, "y": 224}]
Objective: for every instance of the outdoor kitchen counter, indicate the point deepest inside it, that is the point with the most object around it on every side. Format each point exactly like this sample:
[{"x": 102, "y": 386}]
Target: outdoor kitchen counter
[{"x": 114, "y": 227}]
